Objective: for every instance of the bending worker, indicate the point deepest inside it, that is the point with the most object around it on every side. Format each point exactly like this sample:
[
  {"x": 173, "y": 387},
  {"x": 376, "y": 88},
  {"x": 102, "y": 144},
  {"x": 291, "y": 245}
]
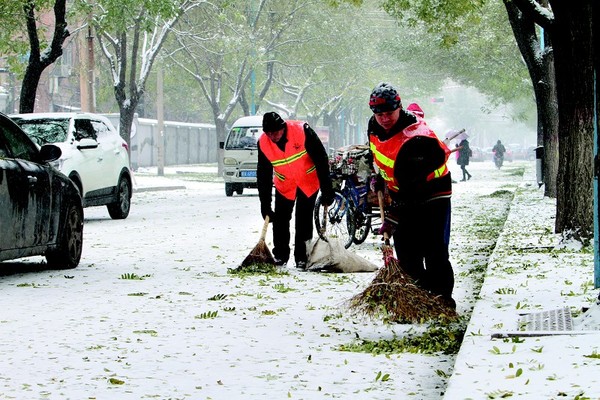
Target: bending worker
[
  {"x": 412, "y": 163},
  {"x": 295, "y": 153}
]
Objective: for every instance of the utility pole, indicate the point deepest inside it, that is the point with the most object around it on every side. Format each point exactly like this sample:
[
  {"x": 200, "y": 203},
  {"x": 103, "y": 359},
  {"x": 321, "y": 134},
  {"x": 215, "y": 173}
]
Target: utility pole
[
  {"x": 160, "y": 116},
  {"x": 90, "y": 68},
  {"x": 86, "y": 72}
]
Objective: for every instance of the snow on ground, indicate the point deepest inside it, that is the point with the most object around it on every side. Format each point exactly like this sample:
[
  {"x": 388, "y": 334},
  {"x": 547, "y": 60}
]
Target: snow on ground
[
  {"x": 152, "y": 312},
  {"x": 531, "y": 272}
]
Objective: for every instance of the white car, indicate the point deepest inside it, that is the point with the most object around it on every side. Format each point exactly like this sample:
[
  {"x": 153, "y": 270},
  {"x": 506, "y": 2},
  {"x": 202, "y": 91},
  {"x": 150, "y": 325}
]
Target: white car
[{"x": 94, "y": 156}]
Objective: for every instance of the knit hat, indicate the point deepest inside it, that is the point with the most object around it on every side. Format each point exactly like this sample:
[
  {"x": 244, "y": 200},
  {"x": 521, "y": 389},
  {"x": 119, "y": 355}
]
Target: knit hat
[
  {"x": 272, "y": 122},
  {"x": 384, "y": 97}
]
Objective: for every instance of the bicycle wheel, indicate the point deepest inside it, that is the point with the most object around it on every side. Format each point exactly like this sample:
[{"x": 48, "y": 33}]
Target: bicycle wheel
[
  {"x": 362, "y": 225},
  {"x": 337, "y": 223}
]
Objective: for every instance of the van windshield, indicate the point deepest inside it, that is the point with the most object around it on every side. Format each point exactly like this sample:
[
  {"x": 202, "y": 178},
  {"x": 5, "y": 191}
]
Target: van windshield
[{"x": 243, "y": 137}]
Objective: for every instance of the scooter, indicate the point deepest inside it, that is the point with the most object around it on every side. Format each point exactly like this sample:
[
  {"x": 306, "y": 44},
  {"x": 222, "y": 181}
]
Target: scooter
[{"x": 498, "y": 160}]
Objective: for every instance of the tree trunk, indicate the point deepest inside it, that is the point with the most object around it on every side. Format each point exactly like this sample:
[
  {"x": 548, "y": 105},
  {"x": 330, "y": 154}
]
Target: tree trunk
[
  {"x": 548, "y": 127},
  {"x": 540, "y": 64},
  {"x": 126, "y": 116},
  {"x": 29, "y": 86},
  {"x": 573, "y": 47},
  {"x": 221, "y": 131},
  {"x": 37, "y": 63}
]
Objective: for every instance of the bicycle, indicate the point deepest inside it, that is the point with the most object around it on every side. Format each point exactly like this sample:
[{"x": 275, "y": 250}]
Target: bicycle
[{"x": 350, "y": 216}]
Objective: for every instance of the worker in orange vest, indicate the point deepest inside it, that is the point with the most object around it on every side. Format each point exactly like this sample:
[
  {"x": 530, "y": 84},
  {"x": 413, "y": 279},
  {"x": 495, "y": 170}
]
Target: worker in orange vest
[
  {"x": 292, "y": 157},
  {"x": 412, "y": 164}
]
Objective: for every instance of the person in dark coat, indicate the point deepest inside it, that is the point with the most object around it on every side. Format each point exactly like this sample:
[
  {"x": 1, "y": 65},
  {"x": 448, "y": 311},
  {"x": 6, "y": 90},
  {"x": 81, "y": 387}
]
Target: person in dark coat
[
  {"x": 292, "y": 157},
  {"x": 464, "y": 154},
  {"x": 412, "y": 165}
]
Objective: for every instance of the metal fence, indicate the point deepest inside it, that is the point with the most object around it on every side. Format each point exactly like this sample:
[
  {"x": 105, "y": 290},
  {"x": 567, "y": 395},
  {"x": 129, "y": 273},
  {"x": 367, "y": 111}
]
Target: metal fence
[{"x": 184, "y": 143}]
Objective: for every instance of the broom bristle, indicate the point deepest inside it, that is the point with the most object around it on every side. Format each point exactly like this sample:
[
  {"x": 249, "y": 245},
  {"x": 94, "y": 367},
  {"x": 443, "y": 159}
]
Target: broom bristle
[
  {"x": 394, "y": 297},
  {"x": 260, "y": 254}
]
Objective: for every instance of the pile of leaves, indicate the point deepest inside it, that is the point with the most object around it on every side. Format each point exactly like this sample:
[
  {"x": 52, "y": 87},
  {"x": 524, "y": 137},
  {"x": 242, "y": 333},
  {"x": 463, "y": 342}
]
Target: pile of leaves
[
  {"x": 255, "y": 269},
  {"x": 394, "y": 297}
]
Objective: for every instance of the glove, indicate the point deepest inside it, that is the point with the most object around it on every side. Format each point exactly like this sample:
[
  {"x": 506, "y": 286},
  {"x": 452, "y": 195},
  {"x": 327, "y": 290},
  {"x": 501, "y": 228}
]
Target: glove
[
  {"x": 266, "y": 211},
  {"x": 387, "y": 227},
  {"x": 373, "y": 184},
  {"x": 327, "y": 198}
]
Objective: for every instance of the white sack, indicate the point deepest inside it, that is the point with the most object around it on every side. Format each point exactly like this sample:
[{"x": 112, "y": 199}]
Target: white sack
[{"x": 331, "y": 256}]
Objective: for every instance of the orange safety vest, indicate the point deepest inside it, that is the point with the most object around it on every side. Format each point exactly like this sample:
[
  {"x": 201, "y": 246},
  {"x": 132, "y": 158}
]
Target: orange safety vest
[
  {"x": 386, "y": 151},
  {"x": 293, "y": 167}
]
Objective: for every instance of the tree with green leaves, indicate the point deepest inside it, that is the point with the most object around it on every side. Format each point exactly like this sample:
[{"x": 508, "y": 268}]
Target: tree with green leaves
[
  {"x": 131, "y": 34},
  {"x": 243, "y": 54},
  {"x": 323, "y": 75},
  {"x": 40, "y": 49},
  {"x": 565, "y": 63},
  {"x": 218, "y": 54}
]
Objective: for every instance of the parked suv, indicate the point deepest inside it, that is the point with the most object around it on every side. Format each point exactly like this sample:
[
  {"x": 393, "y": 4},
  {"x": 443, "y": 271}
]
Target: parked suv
[{"x": 94, "y": 156}]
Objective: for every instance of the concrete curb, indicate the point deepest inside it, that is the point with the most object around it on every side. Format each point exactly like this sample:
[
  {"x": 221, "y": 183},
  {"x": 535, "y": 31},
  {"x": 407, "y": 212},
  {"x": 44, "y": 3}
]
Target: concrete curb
[{"x": 157, "y": 188}]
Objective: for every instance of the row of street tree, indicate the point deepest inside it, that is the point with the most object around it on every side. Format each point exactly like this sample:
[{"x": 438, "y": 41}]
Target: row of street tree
[{"x": 319, "y": 59}]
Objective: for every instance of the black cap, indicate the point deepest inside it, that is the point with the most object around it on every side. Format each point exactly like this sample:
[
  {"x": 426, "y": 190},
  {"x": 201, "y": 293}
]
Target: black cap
[
  {"x": 384, "y": 97},
  {"x": 272, "y": 122}
]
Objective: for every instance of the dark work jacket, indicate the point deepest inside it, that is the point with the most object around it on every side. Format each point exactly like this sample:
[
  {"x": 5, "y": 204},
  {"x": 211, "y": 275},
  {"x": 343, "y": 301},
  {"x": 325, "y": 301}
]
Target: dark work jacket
[
  {"x": 464, "y": 153},
  {"x": 418, "y": 158},
  {"x": 316, "y": 151}
]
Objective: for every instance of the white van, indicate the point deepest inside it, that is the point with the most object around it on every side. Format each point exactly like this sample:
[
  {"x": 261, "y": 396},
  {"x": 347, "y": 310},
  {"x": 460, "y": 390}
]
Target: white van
[{"x": 240, "y": 154}]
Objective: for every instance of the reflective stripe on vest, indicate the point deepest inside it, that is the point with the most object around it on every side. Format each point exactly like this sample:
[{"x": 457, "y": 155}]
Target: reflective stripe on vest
[
  {"x": 293, "y": 168},
  {"x": 385, "y": 152},
  {"x": 384, "y": 164},
  {"x": 438, "y": 173},
  {"x": 288, "y": 160}
]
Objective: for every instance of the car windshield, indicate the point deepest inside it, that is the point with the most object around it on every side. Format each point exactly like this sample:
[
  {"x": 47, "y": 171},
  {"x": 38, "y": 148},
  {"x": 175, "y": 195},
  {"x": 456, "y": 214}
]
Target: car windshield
[
  {"x": 243, "y": 137},
  {"x": 45, "y": 130}
]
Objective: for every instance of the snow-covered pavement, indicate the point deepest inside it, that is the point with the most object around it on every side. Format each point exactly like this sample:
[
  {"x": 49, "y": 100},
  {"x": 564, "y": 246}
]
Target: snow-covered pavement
[
  {"x": 152, "y": 312},
  {"x": 530, "y": 274}
]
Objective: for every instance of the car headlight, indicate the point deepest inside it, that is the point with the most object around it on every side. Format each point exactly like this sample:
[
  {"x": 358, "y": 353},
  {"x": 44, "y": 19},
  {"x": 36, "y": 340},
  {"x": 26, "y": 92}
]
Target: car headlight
[{"x": 229, "y": 161}]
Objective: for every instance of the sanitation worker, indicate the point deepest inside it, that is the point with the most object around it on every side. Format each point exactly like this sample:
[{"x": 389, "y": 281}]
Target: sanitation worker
[
  {"x": 292, "y": 157},
  {"x": 412, "y": 164}
]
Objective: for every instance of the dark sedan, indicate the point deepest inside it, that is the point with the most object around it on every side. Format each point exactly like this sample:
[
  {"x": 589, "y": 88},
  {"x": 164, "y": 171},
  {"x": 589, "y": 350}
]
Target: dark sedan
[{"x": 40, "y": 208}]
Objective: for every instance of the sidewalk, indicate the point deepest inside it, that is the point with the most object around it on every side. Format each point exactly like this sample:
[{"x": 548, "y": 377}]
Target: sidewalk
[
  {"x": 529, "y": 272},
  {"x": 146, "y": 179}
]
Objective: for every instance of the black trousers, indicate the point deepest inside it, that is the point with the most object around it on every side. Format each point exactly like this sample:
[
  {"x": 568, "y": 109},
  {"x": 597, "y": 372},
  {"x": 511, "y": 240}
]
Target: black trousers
[
  {"x": 304, "y": 225},
  {"x": 465, "y": 173},
  {"x": 421, "y": 242}
]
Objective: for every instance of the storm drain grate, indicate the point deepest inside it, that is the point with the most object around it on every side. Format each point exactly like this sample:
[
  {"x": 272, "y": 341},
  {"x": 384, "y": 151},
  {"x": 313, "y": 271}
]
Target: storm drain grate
[{"x": 551, "y": 320}]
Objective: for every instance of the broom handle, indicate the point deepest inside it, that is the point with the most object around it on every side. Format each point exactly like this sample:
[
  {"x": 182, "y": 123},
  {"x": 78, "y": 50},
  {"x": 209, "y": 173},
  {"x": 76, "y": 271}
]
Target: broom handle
[
  {"x": 386, "y": 238},
  {"x": 381, "y": 210},
  {"x": 263, "y": 234}
]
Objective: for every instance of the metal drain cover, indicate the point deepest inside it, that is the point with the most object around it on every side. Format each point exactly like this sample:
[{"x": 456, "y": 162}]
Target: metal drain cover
[{"x": 551, "y": 320}]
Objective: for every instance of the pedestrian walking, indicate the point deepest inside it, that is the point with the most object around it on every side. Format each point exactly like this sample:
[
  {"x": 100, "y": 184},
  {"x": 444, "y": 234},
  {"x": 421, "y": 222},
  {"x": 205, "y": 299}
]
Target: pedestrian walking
[
  {"x": 412, "y": 164},
  {"x": 292, "y": 157},
  {"x": 464, "y": 154}
]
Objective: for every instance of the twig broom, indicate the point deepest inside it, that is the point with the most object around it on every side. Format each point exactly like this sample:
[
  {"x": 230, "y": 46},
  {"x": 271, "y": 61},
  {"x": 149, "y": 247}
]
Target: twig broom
[
  {"x": 260, "y": 254},
  {"x": 394, "y": 297}
]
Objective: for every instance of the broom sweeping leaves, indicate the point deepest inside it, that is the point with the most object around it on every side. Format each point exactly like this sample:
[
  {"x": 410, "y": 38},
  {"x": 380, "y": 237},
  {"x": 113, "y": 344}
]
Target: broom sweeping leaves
[
  {"x": 393, "y": 296},
  {"x": 261, "y": 254}
]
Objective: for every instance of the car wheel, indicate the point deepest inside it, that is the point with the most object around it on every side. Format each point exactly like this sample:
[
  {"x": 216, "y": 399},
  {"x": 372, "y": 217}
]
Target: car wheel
[
  {"x": 229, "y": 189},
  {"x": 120, "y": 209},
  {"x": 70, "y": 242}
]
